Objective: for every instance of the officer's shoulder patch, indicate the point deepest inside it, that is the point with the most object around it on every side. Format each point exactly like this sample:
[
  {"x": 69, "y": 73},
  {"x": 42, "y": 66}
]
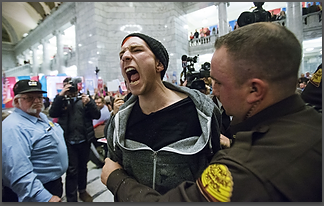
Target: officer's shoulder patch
[
  {"x": 316, "y": 78},
  {"x": 216, "y": 183}
]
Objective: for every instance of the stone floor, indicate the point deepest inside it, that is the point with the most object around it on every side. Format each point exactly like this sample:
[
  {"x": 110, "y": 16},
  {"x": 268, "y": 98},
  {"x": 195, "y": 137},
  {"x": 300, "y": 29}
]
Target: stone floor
[{"x": 95, "y": 188}]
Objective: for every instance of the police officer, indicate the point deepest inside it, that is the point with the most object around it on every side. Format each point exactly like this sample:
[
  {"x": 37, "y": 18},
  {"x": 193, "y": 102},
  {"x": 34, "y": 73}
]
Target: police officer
[{"x": 277, "y": 155}]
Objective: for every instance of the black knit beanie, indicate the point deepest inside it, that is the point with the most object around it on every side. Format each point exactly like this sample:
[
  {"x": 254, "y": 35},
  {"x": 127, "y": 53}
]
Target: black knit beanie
[{"x": 156, "y": 47}]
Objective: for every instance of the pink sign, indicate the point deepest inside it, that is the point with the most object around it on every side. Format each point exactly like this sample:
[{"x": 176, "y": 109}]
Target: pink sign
[
  {"x": 100, "y": 84},
  {"x": 8, "y": 93}
]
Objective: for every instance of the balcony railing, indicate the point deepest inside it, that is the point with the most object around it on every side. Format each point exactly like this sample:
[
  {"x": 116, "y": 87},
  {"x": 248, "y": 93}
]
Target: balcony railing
[
  {"x": 24, "y": 70},
  {"x": 310, "y": 21}
]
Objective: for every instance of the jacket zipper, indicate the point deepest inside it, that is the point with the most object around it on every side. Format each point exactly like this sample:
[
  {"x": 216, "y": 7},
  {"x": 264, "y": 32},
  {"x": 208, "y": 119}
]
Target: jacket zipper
[{"x": 154, "y": 168}]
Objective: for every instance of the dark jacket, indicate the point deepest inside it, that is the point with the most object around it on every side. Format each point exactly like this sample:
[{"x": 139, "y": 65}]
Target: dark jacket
[
  {"x": 60, "y": 110},
  {"x": 277, "y": 156},
  {"x": 312, "y": 94}
]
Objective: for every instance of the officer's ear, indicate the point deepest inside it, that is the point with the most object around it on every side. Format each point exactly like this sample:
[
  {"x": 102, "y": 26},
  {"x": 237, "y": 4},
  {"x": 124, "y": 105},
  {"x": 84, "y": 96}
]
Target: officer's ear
[{"x": 256, "y": 90}]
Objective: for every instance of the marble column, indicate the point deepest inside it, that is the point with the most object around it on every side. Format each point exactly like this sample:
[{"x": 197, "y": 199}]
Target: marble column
[
  {"x": 20, "y": 59},
  {"x": 35, "y": 66},
  {"x": 294, "y": 22},
  {"x": 59, "y": 55},
  {"x": 26, "y": 55},
  {"x": 46, "y": 57},
  {"x": 222, "y": 18}
]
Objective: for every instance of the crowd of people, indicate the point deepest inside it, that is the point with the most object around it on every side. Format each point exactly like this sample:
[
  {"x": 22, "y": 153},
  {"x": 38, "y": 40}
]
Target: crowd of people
[
  {"x": 174, "y": 143},
  {"x": 203, "y": 36}
]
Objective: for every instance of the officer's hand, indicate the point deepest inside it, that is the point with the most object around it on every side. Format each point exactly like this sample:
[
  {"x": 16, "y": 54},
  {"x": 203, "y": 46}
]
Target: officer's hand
[
  {"x": 55, "y": 198},
  {"x": 85, "y": 99},
  {"x": 65, "y": 89},
  {"x": 224, "y": 141},
  {"x": 107, "y": 169}
]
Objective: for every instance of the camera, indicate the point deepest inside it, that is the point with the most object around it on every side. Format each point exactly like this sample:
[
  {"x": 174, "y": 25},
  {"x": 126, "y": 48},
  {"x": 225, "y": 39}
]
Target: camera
[
  {"x": 257, "y": 15},
  {"x": 194, "y": 77},
  {"x": 75, "y": 87},
  {"x": 74, "y": 84}
]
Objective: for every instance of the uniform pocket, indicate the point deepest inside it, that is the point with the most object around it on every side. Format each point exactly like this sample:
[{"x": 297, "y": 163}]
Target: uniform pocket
[{"x": 45, "y": 143}]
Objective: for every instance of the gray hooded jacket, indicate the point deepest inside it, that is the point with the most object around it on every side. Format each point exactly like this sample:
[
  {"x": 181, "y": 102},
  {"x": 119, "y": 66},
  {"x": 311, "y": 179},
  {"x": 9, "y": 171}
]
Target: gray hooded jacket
[{"x": 169, "y": 166}]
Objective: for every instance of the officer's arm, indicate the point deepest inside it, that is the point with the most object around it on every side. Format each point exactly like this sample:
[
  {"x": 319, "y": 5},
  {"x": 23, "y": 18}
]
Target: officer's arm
[{"x": 127, "y": 189}]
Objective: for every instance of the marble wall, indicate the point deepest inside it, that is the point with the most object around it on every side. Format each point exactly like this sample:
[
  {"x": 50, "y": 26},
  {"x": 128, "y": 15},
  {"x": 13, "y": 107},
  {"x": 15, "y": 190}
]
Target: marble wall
[
  {"x": 8, "y": 57},
  {"x": 99, "y": 35},
  {"x": 98, "y": 31}
]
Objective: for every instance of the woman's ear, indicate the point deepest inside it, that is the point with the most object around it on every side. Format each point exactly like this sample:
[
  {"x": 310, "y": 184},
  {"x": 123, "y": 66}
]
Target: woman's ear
[{"x": 257, "y": 90}]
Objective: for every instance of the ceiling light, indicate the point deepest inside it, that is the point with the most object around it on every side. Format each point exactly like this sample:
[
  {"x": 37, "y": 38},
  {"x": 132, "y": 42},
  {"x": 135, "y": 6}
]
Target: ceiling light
[
  {"x": 185, "y": 26},
  {"x": 131, "y": 28},
  {"x": 80, "y": 44},
  {"x": 97, "y": 52},
  {"x": 309, "y": 49},
  {"x": 165, "y": 26},
  {"x": 25, "y": 34},
  {"x": 90, "y": 34}
]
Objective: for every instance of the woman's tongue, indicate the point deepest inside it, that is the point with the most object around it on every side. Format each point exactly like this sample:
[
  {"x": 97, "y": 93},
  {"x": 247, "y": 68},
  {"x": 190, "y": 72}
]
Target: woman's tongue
[{"x": 134, "y": 77}]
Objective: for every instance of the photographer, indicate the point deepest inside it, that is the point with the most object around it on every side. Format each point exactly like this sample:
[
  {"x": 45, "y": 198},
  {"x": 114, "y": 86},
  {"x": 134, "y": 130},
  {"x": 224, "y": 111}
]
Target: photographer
[{"x": 75, "y": 113}]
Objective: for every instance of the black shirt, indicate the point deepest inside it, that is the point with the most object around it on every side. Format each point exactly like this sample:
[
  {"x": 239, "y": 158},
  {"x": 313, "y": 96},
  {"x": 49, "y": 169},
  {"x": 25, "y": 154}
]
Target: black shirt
[{"x": 158, "y": 129}]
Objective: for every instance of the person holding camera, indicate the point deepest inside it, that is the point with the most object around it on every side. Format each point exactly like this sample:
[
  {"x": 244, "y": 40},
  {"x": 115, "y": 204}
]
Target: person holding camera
[
  {"x": 75, "y": 113},
  {"x": 164, "y": 133},
  {"x": 277, "y": 154}
]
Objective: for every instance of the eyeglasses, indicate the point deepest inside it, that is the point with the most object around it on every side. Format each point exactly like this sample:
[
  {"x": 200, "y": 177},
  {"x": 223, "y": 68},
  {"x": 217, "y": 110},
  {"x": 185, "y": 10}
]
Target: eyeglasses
[{"x": 32, "y": 98}]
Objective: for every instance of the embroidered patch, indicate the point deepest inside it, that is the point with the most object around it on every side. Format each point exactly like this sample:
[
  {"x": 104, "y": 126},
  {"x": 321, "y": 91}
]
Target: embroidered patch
[
  {"x": 32, "y": 83},
  {"x": 316, "y": 78},
  {"x": 216, "y": 183},
  {"x": 51, "y": 123}
]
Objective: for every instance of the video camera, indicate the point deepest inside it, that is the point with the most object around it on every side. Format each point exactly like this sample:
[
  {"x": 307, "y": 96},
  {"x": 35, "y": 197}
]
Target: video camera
[
  {"x": 194, "y": 77},
  {"x": 74, "y": 82},
  {"x": 257, "y": 15},
  {"x": 76, "y": 85}
]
